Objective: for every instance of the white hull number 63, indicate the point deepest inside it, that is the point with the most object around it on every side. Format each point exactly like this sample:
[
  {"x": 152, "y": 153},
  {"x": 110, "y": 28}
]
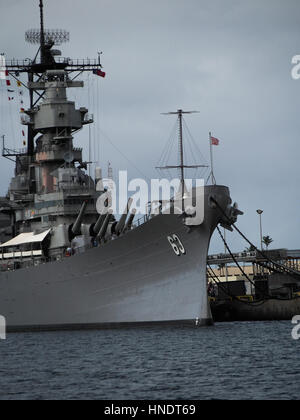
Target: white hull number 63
[{"x": 177, "y": 245}]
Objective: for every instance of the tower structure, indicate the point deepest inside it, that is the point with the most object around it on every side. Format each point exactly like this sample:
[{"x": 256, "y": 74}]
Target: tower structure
[{"x": 50, "y": 183}]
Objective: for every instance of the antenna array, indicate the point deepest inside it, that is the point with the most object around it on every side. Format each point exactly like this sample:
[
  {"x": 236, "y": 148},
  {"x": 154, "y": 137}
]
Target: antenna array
[{"x": 58, "y": 36}]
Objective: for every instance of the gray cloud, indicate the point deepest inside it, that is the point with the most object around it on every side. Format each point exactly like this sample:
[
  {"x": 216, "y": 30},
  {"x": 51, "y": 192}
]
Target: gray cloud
[{"x": 229, "y": 59}]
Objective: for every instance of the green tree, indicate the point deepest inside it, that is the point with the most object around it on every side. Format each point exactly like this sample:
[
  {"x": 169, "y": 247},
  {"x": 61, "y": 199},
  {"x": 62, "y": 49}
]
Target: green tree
[{"x": 267, "y": 240}]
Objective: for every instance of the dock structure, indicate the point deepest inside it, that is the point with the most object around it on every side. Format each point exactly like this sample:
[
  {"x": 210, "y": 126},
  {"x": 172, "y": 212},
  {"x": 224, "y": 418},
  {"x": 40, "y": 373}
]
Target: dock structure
[
  {"x": 254, "y": 286},
  {"x": 288, "y": 258},
  {"x": 277, "y": 272}
]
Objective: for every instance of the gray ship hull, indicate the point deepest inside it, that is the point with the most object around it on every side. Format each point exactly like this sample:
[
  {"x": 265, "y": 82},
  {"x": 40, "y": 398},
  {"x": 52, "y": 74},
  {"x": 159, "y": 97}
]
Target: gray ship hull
[{"x": 136, "y": 279}]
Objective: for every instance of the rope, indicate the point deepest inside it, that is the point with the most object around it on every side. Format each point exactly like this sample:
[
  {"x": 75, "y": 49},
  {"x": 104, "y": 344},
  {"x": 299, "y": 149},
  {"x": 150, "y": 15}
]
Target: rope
[
  {"x": 239, "y": 266},
  {"x": 251, "y": 244},
  {"x": 291, "y": 271},
  {"x": 241, "y": 269},
  {"x": 168, "y": 148},
  {"x": 216, "y": 280},
  {"x": 124, "y": 156}
]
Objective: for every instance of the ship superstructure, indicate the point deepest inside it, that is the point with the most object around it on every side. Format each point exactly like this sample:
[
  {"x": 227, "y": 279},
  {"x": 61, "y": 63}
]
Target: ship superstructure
[{"x": 50, "y": 188}]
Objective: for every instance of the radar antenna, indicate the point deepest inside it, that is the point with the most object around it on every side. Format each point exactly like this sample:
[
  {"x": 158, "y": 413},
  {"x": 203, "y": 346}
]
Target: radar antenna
[
  {"x": 58, "y": 36},
  {"x": 36, "y": 69},
  {"x": 46, "y": 38}
]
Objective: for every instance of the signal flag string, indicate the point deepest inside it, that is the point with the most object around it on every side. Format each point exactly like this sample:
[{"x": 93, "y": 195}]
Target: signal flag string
[{"x": 22, "y": 109}]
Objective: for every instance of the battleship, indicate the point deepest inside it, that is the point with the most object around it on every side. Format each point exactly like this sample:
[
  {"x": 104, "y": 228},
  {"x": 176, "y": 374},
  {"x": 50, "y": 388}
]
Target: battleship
[{"x": 123, "y": 273}]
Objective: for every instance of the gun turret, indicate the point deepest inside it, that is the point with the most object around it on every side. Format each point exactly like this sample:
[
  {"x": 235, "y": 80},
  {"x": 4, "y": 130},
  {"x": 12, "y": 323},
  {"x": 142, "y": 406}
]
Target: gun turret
[
  {"x": 96, "y": 228},
  {"x": 104, "y": 227},
  {"x": 76, "y": 228},
  {"x": 128, "y": 225},
  {"x": 121, "y": 223}
]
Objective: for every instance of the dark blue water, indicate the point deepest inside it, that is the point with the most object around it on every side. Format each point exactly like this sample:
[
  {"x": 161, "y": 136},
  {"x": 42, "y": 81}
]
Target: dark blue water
[{"x": 227, "y": 361}]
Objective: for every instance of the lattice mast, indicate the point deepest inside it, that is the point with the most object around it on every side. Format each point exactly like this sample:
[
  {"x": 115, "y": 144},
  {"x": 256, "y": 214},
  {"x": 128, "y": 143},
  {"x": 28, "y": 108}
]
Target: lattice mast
[
  {"x": 35, "y": 68},
  {"x": 181, "y": 166}
]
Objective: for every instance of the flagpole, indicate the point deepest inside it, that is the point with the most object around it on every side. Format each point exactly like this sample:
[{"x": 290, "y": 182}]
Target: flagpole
[{"x": 213, "y": 179}]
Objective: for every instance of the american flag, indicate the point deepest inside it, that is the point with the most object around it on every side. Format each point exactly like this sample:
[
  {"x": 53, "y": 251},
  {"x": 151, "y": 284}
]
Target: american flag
[{"x": 214, "y": 141}]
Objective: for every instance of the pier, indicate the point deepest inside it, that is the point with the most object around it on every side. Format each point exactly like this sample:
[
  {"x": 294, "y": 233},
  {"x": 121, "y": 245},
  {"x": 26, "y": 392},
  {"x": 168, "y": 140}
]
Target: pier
[{"x": 261, "y": 287}]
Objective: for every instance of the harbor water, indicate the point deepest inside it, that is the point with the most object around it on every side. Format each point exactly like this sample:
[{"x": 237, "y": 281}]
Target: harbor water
[{"x": 227, "y": 361}]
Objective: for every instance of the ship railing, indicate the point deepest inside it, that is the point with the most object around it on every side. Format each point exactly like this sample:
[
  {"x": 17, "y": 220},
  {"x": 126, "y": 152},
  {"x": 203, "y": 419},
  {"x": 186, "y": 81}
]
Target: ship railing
[
  {"x": 228, "y": 256},
  {"x": 20, "y": 254},
  {"x": 13, "y": 152},
  {"x": 50, "y": 149},
  {"x": 74, "y": 190},
  {"x": 154, "y": 209},
  {"x": 94, "y": 63},
  {"x": 17, "y": 260},
  {"x": 24, "y": 259},
  {"x": 18, "y": 63},
  {"x": 141, "y": 221},
  {"x": 87, "y": 62}
]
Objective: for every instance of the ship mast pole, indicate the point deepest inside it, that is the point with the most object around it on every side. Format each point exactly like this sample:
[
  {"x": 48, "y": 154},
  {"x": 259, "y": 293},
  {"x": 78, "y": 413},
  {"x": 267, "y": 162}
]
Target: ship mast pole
[
  {"x": 30, "y": 134},
  {"x": 42, "y": 37},
  {"x": 181, "y": 166},
  {"x": 213, "y": 179},
  {"x": 181, "y": 149}
]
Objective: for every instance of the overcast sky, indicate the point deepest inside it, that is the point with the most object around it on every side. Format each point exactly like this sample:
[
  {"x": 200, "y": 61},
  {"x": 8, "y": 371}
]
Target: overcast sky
[{"x": 228, "y": 59}]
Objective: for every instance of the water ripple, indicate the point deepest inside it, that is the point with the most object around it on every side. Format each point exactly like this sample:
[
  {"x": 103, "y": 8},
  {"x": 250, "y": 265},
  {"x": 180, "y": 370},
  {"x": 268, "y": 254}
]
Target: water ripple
[{"x": 227, "y": 361}]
